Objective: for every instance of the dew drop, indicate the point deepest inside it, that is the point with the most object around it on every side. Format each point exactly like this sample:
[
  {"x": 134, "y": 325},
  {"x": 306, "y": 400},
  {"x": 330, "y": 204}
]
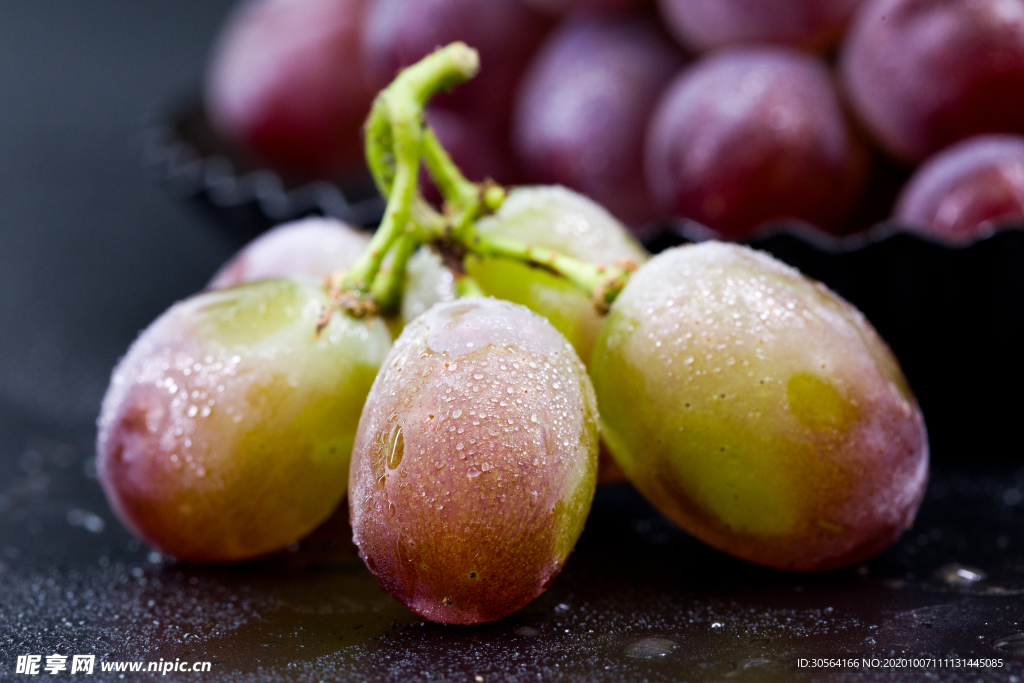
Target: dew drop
[
  {"x": 473, "y": 473},
  {"x": 396, "y": 447}
]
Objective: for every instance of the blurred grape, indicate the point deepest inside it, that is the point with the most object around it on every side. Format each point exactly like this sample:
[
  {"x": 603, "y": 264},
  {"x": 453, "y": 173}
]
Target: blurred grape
[
  {"x": 706, "y": 24},
  {"x": 922, "y": 74},
  {"x": 309, "y": 248},
  {"x": 584, "y": 105},
  {"x": 748, "y": 136},
  {"x": 286, "y": 82},
  {"x": 966, "y": 191},
  {"x": 560, "y": 7},
  {"x": 400, "y": 32}
]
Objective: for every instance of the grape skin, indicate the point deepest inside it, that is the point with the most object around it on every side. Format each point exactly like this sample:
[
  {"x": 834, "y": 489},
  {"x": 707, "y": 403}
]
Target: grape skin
[
  {"x": 922, "y": 74},
  {"x": 569, "y": 223},
  {"x": 286, "y": 82},
  {"x": 475, "y": 461},
  {"x": 966, "y": 191},
  {"x": 583, "y": 107},
  {"x": 562, "y": 7},
  {"x": 227, "y": 429},
  {"x": 706, "y": 24},
  {"x": 748, "y": 136},
  {"x": 309, "y": 248},
  {"x": 759, "y": 411}
]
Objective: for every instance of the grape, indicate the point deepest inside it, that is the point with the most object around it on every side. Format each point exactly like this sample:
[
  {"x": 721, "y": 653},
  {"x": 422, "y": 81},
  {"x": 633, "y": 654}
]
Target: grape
[
  {"x": 308, "y": 248},
  {"x": 400, "y": 32},
  {"x": 286, "y": 81},
  {"x": 559, "y": 7},
  {"x": 758, "y": 410},
  {"x": 475, "y": 461},
  {"x": 753, "y": 135},
  {"x": 427, "y": 282},
  {"x": 967, "y": 190},
  {"x": 227, "y": 429},
  {"x": 583, "y": 108},
  {"x": 922, "y": 74},
  {"x": 559, "y": 219},
  {"x": 705, "y": 24}
]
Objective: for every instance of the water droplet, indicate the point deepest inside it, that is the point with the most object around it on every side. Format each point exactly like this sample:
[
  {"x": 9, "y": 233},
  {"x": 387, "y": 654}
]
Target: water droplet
[
  {"x": 956, "y": 574},
  {"x": 870, "y": 640},
  {"x": 396, "y": 447},
  {"x": 756, "y": 662},
  {"x": 717, "y": 624},
  {"x": 473, "y": 473},
  {"x": 651, "y": 648},
  {"x": 533, "y": 418},
  {"x": 391, "y": 509},
  {"x": 456, "y": 414},
  {"x": 1013, "y": 644}
]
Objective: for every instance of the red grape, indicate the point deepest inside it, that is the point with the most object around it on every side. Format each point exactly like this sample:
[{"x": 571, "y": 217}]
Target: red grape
[
  {"x": 400, "y": 32},
  {"x": 923, "y": 74},
  {"x": 706, "y": 24},
  {"x": 584, "y": 104},
  {"x": 572, "y": 6},
  {"x": 967, "y": 190},
  {"x": 307, "y": 248},
  {"x": 752, "y": 135},
  {"x": 227, "y": 429},
  {"x": 475, "y": 461},
  {"x": 286, "y": 81}
]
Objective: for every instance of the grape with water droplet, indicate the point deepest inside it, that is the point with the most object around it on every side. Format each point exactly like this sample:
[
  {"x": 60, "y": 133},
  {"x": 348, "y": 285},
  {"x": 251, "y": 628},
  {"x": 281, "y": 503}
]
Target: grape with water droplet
[
  {"x": 462, "y": 504},
  {"x": 227, "y": 429},
  {"x": 758, "y": 410}
]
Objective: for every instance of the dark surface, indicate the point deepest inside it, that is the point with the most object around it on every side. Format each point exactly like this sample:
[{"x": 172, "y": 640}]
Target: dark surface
[{"x": 91, "y": 251}]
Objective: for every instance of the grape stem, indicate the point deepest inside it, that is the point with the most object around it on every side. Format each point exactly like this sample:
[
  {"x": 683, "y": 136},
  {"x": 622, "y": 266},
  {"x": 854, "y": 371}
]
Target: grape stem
[
  {"x": 394, "y": 138},
  {"x": 397, "y": 139}
]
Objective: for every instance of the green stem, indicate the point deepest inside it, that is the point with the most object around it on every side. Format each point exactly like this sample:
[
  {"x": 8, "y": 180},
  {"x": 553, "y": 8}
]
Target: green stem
[
  {"x": 460, "y": 194},
  {"x": 466, "y": 287},
  {"x": 602, "y": 282},
  {"x": 397, "y": 118},
  {"x": 390, "y": 281}
]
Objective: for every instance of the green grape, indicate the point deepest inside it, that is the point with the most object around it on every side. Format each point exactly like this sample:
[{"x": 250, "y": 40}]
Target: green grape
[
  {"x": 227, "y": 429},
  {"x": 565, "y": 221},
  {"x": 758, "y": 410},
  {"x": 475, "y": 462},
  {"x": 427, "y": 282}
]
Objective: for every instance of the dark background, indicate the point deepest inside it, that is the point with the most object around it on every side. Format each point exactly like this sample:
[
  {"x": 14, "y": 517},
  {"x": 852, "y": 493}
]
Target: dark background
[{"x": 92, "y": 249}]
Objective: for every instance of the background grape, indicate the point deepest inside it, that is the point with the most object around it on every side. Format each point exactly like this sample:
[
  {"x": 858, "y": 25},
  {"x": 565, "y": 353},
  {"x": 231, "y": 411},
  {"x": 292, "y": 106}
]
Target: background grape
[
  {"x": 583, "y": 107},
  {"x": 285, "y": 81},
  {"x": 753, "y": 135},
  {"x": 922, "y": 74},
  {"x": 966, "y": 191}
]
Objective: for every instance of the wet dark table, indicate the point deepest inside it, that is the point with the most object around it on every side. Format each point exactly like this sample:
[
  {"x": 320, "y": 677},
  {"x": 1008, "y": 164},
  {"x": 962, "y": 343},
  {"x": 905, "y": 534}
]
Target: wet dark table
[{"x": 91, "y": 250}]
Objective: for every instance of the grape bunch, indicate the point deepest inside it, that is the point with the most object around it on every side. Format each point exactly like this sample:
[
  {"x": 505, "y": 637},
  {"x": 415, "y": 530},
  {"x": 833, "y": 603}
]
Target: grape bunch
[
  {"x": 729, "y": 118},
  {"x": 750, "y": 405}
]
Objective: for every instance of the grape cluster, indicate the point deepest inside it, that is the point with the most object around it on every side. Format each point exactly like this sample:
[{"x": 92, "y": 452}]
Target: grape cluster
[
  {"x": 750, "y": 405},
  {"x": 733, "y": 116}
]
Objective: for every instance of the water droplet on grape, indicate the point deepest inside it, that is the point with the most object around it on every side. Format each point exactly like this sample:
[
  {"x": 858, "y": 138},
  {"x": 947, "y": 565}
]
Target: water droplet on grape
[{"x": 396, "y": 447}]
